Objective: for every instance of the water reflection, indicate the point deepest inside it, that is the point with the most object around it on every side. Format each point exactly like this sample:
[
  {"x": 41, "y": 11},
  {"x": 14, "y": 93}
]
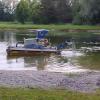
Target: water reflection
[
  {"x": 66, "y": 62},
  {"x": 37, "y": 61}
]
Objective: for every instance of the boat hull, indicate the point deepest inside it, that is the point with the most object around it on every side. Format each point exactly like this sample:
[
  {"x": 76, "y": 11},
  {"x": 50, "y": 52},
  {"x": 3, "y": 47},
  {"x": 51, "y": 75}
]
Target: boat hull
[{"x": 29, "y": 52}]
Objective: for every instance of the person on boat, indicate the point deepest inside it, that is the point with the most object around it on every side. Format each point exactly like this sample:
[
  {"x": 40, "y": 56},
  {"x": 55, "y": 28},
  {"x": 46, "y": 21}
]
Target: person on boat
[{"x": 46, "y": 43}]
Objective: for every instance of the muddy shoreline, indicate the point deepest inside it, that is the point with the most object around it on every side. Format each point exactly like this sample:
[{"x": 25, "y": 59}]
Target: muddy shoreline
[{"x": 82, "y": 82}]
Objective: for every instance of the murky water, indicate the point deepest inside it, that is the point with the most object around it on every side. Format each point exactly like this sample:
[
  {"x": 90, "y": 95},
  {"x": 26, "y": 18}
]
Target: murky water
[{"x": 68, "y": 61}]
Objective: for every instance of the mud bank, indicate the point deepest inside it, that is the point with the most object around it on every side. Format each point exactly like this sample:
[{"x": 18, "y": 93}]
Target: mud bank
[{"x": 84, "y": 82}]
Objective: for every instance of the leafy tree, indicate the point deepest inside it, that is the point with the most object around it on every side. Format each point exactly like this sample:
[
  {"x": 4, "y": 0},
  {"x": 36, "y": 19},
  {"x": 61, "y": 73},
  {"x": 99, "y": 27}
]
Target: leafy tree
[
  {"x": 56, "y": 11},
  {"x": 35, "y": 9},
  {"x": 1, "y": 10},
  {"x": 76, "y": 7},
  {"x": 22, "y": 11},
  {"x": 87, "y": 12},
  {"x": 5, "y": 12},
  {"x": 48, "y": 11},
  {"x": 64, "y": 11}
]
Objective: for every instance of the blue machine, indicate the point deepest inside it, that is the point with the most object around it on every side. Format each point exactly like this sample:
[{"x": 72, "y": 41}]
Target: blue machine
[
  {"x": 41, "y": 33},
  {"x": 33, "y": 42}
]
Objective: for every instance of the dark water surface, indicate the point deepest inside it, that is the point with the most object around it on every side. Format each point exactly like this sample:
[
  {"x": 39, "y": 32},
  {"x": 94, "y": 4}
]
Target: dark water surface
[{"x": 68, "y": 61}]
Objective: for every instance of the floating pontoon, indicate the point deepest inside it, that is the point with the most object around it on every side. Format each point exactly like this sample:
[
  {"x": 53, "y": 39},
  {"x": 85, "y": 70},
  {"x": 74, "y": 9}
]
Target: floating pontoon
[{"x": 32, "y": 46}]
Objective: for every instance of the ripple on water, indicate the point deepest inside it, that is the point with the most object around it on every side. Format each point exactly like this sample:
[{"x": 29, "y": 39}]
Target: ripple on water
[
  {"x": 71, "y": 53},
  {"x": 53, "y": 63}
]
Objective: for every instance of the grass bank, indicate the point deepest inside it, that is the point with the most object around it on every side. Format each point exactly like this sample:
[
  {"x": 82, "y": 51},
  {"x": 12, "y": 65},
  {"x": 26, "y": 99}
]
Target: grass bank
[
  {"x": 38, "y": 94},
  {"x": 12, "y": 25}
]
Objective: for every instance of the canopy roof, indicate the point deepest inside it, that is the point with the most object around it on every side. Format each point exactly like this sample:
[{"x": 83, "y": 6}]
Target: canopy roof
[{"x": 41, "y": 33}]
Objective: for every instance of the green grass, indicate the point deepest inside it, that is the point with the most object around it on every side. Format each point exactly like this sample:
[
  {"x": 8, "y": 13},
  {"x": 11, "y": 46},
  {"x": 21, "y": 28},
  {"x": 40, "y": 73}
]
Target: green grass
[
  {"x": 39, "y": 94},
  {"x": 12, "y": 25}
]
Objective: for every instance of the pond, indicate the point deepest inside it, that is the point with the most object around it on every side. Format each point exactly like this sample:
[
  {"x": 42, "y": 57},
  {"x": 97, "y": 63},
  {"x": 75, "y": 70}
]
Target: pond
[{"x": 66, "y": 62}]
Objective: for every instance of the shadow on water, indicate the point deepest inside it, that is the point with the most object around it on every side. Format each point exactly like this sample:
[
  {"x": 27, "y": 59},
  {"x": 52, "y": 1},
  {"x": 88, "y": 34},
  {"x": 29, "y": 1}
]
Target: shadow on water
[{"x": 68, "y": 61}]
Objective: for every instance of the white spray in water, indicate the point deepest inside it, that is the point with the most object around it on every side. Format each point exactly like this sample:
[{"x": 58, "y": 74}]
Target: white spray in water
[{"x": 71, "y": 52}]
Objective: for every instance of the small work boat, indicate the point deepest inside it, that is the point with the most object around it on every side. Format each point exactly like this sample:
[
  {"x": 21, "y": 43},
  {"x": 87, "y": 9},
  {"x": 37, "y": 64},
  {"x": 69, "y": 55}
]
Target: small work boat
[{"x": 32, "y": 46}]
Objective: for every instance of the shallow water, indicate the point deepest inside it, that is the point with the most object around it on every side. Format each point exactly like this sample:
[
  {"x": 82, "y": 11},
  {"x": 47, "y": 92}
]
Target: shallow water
[{"x": 68, "y": 61}]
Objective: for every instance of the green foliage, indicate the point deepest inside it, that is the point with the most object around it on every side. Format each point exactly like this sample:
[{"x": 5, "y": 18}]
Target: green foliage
[
  {"x": 86, "y": 12},
  {"x": 48, "y": 11},
  {"x": 22, "y": 11},
  {"x": 35, "y": 9},
  {"x": 56, "y": 11},
  {"x": 5, "y": 13},
  {"x": 1, "y": 10},
  {"x": 64, "y": 11},
  {"x": 45, "y": 11}
]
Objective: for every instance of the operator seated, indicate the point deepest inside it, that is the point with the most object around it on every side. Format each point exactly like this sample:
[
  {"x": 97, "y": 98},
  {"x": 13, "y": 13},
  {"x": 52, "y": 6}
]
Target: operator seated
[{"x": 46, "y": 43}]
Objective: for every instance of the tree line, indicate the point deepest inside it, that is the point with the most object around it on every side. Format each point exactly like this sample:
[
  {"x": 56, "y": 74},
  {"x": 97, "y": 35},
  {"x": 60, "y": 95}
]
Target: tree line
[{"x": 53, "y": 11}]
